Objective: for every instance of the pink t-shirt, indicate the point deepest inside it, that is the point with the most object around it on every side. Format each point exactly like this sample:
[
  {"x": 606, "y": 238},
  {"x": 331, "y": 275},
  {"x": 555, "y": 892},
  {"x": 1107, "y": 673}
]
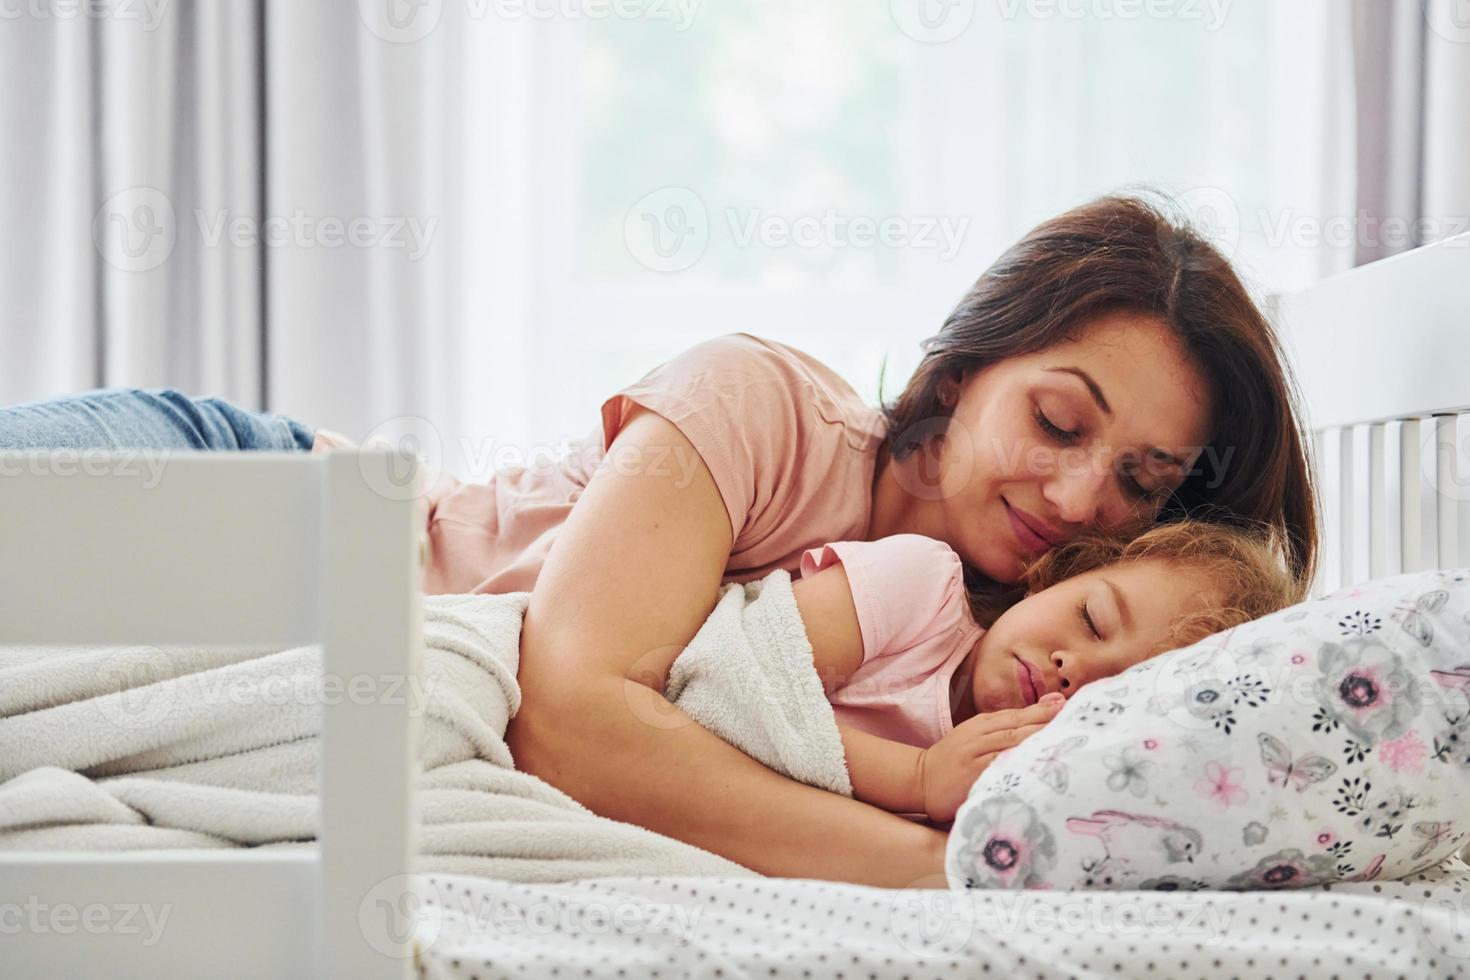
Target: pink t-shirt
[
  {"x": 791, "y": 446},
  {"x": 916, "y": 627}
]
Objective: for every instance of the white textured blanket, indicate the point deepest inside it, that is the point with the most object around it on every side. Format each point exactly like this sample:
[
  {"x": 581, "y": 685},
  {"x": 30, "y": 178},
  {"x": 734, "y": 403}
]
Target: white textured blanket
[{"x": 129, "y": 748}]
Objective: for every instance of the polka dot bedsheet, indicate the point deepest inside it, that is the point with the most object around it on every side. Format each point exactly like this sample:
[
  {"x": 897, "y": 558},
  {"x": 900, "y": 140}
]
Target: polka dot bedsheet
[{"x": 473, "y": 928}]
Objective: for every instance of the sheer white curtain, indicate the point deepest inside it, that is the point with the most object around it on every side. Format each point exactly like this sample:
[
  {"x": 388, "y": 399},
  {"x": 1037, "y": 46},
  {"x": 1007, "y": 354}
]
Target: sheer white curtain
[
  {"x": 490, "y": 214},
  {"x": 238, "y": 198},
  {"x": 835, "y": 174}
]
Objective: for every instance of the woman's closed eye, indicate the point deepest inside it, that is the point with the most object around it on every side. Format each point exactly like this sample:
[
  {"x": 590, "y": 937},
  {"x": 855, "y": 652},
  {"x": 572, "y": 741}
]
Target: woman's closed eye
[
  {"x": 1131, "y": 487},
  {"x": 1055, "y": 431}
]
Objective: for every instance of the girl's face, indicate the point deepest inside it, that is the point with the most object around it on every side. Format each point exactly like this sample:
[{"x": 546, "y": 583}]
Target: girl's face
[
  {"x": 1090, "y": 626},
  {"x": 1095, "y": 431}
]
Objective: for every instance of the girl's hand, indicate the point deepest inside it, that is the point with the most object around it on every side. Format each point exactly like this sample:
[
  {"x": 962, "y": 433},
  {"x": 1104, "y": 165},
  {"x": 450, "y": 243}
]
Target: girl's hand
[{"x": 949, "y": 767}]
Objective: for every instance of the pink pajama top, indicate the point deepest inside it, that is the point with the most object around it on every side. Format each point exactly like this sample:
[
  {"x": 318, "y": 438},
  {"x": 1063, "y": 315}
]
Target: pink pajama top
[
  {"x": 916, "y": 627},
  {"x": 792, "y": 449},
  {"x": 791, "y": 446}
]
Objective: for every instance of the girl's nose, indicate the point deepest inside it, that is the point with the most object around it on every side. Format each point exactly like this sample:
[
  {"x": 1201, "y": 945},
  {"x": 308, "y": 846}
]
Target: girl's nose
[{"x": 1062, "y": 661}]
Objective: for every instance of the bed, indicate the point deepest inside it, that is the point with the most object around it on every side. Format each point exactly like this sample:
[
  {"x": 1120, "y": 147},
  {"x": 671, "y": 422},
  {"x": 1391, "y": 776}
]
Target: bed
[{"x": 1385, "y": 409}]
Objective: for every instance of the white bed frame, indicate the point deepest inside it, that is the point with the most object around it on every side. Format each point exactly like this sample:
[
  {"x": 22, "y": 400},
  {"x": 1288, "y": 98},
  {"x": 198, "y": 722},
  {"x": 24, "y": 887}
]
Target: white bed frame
[
  {"x": 1383, "y": 357},
  {"x": 245, "y": 549},
  {"x": 320, "y": 555}
]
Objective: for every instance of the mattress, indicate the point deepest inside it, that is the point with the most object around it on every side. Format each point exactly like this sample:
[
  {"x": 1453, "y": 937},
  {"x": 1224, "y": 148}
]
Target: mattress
[{"x": 669, "y": 928}]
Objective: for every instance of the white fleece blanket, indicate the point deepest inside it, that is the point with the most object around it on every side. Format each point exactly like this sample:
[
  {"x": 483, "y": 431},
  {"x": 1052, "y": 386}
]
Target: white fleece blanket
[{"x": 132, "y": 748}]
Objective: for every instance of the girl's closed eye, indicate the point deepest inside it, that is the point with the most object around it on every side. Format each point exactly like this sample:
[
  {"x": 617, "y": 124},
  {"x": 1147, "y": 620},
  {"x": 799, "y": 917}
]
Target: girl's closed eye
[
  {"x": 1097, "y": 605},
  {"x": 1087, "y": 620}
]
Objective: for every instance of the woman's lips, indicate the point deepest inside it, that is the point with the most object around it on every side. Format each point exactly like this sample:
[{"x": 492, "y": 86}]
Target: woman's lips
[
  {"x": 1028, "y": 539},
  {"x": 1027, "y": 684}
]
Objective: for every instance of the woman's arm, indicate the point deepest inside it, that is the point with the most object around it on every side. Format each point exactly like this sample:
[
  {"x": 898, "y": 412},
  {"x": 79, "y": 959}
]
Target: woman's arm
[{"x": 633, "y": 574}]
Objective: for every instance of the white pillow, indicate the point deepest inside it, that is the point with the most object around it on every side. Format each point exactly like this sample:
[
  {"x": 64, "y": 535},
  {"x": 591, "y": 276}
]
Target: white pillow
[{"x": 1327, "y": 741}]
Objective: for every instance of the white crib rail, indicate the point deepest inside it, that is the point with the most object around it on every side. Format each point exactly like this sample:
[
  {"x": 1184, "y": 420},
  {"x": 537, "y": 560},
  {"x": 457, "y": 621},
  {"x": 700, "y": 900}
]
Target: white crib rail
[
  {"x": 214, "y": 548},
  {"x": 1380, "y": 353}
]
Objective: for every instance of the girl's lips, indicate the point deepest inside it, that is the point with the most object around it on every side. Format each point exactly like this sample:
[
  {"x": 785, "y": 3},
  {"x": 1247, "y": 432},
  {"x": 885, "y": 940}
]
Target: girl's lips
[
  {"x": 1028, "y": 539},
  {"x": 1029, "y": 694}
]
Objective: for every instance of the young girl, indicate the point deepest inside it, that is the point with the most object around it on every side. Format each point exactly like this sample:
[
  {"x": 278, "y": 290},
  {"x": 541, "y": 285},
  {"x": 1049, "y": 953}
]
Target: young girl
[{"x": 925, "y": 697}]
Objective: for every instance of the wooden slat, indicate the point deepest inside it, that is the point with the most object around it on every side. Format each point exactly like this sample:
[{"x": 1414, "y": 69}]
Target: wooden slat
[
  {"x": 158, "y": 547},
  {"x": 232, "y": 913},
  {"x": 1347, "y": 513},
  {"x": 1323, "y": 477},
  {"x": 1410, "y": 487},
  {"x": 1378, "y": 523},
  {"x": 1447, "y": 491},
  {"x": 371, "y": 636}
]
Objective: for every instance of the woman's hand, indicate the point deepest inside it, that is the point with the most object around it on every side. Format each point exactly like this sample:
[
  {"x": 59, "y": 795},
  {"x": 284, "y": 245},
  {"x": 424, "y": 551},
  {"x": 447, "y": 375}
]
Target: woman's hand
[{"x": 949, "y": 767}]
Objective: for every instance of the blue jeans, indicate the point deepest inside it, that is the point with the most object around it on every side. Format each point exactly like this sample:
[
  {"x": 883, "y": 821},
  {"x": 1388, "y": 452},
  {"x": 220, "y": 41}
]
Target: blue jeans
[{"x": 151, "y": 418}]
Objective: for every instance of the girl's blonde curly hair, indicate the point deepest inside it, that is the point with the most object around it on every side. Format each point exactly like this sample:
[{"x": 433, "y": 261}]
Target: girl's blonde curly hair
[{"x": 1244, "y": 562}]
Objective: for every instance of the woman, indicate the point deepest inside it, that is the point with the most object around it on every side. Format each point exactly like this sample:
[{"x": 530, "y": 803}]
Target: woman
[{"x": 1109, "y": 370}]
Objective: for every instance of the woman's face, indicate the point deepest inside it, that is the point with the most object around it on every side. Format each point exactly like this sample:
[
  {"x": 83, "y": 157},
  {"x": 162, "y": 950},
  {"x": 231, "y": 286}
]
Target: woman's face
[
  {"x": 1095, "y": 431},
  {"x": 1085, "y": 628}
]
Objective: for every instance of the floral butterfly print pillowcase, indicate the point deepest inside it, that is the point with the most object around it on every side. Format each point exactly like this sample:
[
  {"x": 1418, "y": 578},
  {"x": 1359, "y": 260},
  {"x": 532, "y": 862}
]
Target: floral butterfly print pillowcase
[{"x": 1325, "y": 742}]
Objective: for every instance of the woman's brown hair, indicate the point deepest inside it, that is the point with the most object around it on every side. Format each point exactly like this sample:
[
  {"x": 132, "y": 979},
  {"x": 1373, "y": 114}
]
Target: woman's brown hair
[{"x": 1125, "y": 253}]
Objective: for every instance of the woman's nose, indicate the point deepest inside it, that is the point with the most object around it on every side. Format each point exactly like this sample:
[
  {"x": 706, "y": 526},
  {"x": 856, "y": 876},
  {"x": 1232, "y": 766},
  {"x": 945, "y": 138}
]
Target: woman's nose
[{"x": 1077, "y": 491}]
